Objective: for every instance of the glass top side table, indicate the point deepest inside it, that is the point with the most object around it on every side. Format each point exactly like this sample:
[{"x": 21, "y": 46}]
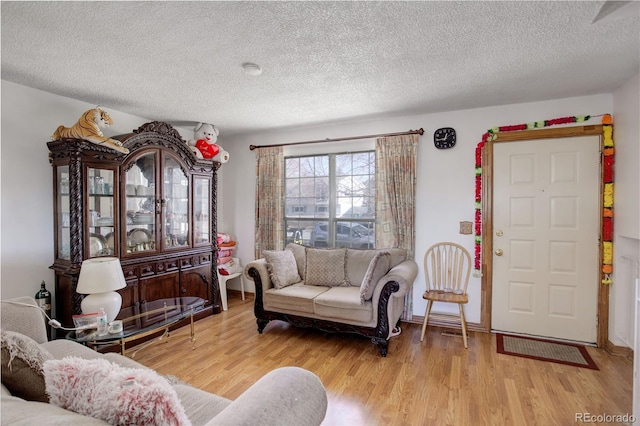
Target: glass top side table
[{"x": 152, "y": 317}]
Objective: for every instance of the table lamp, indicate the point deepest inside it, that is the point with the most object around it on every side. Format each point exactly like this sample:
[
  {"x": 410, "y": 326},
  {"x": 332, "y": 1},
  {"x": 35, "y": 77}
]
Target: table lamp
[{"x": 99, "y": 278}]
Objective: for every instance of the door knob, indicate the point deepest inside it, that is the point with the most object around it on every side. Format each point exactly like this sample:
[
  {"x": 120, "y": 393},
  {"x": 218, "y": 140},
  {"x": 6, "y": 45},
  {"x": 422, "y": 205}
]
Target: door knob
[{"x": 499, "y": 252}]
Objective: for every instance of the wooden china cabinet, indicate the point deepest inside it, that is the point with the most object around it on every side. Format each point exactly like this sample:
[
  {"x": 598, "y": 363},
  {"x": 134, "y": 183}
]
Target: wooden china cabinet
[{"x": 154, "y": 208}]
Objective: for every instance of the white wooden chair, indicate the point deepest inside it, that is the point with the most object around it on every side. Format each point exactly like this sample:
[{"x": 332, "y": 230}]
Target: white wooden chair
[{"x": 447, "y": 267}]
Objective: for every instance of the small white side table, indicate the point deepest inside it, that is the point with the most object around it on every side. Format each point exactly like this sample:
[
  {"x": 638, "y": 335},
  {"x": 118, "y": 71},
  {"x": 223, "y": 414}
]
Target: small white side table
[{"x": 222, "y": 282}]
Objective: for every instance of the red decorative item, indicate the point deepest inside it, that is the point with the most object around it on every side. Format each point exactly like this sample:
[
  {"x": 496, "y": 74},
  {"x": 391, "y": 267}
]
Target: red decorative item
[
  {"x": 207, "y": 150},
  {"x": 562, "y": 120},
  {"x": 607, "y": 225},
  {"x": 607, "y": 229},
  {"x": 513, "y": 128},
  {"x": 608, "y": 169}
]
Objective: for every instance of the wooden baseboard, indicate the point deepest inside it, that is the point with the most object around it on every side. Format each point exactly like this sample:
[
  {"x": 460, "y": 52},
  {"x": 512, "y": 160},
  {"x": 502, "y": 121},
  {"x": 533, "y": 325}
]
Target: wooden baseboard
[
  {"x": 453, "y": 322},
  {"x": 247, "y": 294},
  {"x": 621, "y": 351},
  {"x": 447, "y": 321}
]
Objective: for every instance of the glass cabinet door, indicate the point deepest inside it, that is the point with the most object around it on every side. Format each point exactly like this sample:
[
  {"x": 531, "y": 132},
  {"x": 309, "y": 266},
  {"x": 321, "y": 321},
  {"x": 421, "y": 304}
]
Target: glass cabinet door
[
  {"x": 175, "y": 213},
  {"x": 202, "y": 207},
  {"x": 140, "y": 199},
  {"x": 100, "y": 212},
  {"x": 64, "y": 213}
]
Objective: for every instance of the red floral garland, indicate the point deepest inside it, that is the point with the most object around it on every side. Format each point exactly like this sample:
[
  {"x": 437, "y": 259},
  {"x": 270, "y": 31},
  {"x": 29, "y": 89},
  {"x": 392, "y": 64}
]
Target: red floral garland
[
  {"x": 607, "y": 236},
  {"x": 607, "y": 211}
]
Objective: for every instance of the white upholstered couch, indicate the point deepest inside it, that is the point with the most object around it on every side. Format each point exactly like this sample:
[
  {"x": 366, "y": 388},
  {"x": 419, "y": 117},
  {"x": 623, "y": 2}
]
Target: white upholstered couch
[
  {"x": 336, "y": 290},
  {"x": 285, "y": 396}
]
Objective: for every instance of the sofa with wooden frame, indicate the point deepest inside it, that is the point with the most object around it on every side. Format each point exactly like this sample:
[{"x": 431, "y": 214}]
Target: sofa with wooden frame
[{"x": 343, "y": 290}]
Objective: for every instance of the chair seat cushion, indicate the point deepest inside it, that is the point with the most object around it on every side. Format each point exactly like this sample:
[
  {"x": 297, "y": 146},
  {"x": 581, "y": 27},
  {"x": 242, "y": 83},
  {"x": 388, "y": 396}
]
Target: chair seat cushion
[
  {"x": 440, "y": 296},
  {"x": 297, "y": 297},
  {"x": 341, "y": 297},
  {"x": 343, "y": 303}
]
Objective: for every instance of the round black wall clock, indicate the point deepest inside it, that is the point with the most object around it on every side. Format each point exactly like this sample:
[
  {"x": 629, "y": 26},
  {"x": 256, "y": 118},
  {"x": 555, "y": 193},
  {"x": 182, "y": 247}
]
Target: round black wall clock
[{"x": 444, "y": 138}]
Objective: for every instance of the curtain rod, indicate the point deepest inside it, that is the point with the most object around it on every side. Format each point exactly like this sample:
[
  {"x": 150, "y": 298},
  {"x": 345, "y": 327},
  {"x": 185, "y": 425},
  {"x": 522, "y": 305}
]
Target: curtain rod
[{"x": 410, "y": 132}]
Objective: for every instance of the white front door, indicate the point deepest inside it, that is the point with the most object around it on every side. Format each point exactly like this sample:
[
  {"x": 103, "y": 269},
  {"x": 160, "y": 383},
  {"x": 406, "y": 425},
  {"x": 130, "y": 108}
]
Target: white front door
[{"x": 546, "y": 224}]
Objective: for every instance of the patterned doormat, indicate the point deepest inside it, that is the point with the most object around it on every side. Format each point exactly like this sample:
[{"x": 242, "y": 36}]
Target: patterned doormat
[{"x": 545, "y": 350}]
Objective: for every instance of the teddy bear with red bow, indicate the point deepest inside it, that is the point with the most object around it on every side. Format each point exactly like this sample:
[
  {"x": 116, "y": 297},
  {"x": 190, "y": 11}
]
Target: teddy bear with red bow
[{"x": 204, "y": 145}]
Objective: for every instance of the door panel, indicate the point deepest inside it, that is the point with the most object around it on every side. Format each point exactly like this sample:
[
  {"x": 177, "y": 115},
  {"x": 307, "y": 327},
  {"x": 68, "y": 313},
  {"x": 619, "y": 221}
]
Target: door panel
[
  {"x": 159, "y": 287},
  {"x": 197, "y": 282},
  {"x": 546, "y": 222},
  {"x": 129, "y": 299}
]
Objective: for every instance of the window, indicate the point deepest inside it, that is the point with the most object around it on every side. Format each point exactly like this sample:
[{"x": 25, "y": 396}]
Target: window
[{"x": 330, "y": 200}]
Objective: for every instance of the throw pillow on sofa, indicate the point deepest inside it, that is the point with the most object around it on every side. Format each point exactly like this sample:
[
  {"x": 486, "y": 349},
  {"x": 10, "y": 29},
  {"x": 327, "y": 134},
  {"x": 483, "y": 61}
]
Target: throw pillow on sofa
[
  {"x": 120, "y": 396},
  {"x": 378, "y": 267},
  {"x": 282, "y": 267},
  {"x": 22, "y": 360},
  {"x": 357, "y": 263},
  {"x": 325, "y": 267}
]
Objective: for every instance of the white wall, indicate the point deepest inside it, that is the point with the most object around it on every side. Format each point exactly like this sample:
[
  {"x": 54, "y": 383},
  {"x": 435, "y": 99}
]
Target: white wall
[
  {"x": 626, "y": 120},
  {"x": 445, "y": 185},
  {"x": 626, "y": 240}
]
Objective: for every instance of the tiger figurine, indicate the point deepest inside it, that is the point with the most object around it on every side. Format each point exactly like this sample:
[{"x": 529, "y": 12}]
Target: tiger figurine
[{"x": 88, "y": 129}]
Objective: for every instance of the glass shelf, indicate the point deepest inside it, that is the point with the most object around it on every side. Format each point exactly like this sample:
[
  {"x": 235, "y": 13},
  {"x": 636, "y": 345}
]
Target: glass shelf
[
  {"x": 202, "y": 205},
  {"x": 64, "y": 215},
  {"x": 101, "y": 212}
]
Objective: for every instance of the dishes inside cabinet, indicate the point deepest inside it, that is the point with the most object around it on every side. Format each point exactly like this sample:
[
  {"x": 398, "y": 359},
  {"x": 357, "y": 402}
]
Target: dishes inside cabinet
[
  {"x": 105, "y": 221},
  {"x": 143, "y": 190},
  {"x": 143, "y": 218},
  {"x": 140, "y": 239},
  {"x": 98, "y": 245},
  {"x": 110, "y": 241}
]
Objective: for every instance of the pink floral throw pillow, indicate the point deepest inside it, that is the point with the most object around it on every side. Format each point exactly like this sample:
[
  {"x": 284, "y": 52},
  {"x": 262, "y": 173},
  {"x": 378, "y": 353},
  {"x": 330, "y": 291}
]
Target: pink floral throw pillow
[{"x": 120, "y": 396}]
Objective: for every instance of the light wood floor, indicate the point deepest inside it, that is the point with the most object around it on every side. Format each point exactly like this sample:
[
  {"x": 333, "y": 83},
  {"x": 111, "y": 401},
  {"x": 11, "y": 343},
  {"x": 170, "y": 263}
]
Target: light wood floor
[{"x": 436, "y": 382}]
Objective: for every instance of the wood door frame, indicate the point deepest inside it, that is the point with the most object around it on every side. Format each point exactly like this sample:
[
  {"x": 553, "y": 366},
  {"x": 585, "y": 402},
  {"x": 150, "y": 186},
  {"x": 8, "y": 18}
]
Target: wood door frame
[{"x": 486, "y": 281}]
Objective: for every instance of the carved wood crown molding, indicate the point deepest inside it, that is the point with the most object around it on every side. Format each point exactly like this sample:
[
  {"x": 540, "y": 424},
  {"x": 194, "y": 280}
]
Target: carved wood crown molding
[
  {"x": 159, "y": 127},
  {"x": 158, "y": 133},
  {"x": 73, "y": 148}
]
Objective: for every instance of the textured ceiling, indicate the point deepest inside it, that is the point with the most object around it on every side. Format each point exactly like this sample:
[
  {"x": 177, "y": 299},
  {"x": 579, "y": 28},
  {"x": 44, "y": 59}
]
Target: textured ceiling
[{"x": 322, "y": 61}]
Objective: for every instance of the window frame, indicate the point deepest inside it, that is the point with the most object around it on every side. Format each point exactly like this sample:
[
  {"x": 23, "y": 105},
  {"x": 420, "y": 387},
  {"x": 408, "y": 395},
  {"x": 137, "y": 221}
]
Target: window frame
[{"x": 328, "y": 214}]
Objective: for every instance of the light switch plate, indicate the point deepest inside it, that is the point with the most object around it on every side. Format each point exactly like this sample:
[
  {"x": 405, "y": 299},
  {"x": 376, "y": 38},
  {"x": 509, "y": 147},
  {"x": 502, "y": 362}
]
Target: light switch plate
[{"x": 466, "y": 228}]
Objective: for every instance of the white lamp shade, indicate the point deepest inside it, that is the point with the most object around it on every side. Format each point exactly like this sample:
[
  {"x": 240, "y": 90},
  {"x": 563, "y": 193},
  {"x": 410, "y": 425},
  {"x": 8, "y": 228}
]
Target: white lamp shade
[
  {"x": 100, "y": 274},
  {"x": 99, "y": 278}
]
